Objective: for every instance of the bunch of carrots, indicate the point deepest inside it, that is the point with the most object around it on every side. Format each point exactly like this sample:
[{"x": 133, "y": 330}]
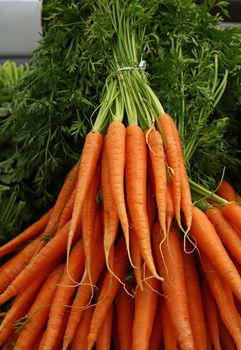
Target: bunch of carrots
[{"x": 133, "y": 254}]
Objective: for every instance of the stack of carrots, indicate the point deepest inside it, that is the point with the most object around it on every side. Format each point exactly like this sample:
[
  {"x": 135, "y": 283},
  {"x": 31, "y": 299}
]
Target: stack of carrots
[{"x": 125, "y": 259}]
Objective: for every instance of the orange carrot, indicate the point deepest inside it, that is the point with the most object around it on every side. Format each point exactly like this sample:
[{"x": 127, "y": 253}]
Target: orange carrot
[
  {"x": 115, "y": 148},
  {"x": 66, "y": 213},
  {"x": 186, "y": 198},
  {"x": 169, "y": 333},
  {"x": 211, "y": 316},
  {"x": 136, "y": 257},
  {"x": 30, "y": 233},
  {"x": 111, "y": 218},
  {"x": 136, "y": 167},
  {"x": 170, "y": 213},
  {"x": 226, "y": 339},
  {"x": 52, "y": 252},
  {"x": 156, "y": 334},
  {"x": 103, "y": 341},
  {"x": 64, "y": 293},
  {"x": 173, "y": 160},
  {"x": 39, "y": 311},
  {"x": 17, "y": 263},
  {"x": 210, "y": 244},
  {"x": 108, "y": 291},
  {"x": 144, "y": 312},
  {"x": 171, "y": 267},
  {"x": 224, "y": 299},
  {"x": 226, "y": 191},
  {"x": 84, "y": 291},
  {"x": 20, "y": 306},
  {"x": 124, "y": 318},
  {"x": 158, "y": 161},
  {"x": 232, "y": 212},
  {"x": 90, "y": 208},
  {"x": 89, "y": 159},
  {"x": 80, "y": 337},
  {"x": 227, "y": 233},
  {"x": 196, "y": 312},
  {"x": 150, "y": 205}
]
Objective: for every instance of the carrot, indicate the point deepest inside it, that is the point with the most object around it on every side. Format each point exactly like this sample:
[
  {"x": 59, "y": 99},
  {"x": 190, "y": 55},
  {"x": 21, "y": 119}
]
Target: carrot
[
  {"x": 136, "y": 257},
  {"x": 150, "y": 204},
  {"x": 196, "y": 311},
  {"x": 80, "y": 337},
  {"x": 156, "y": 334},
  {"x": 103, "y": 341},
  {"x": 39, "y": 311},
  {"x": 64, "y": 293},
  {"x": 90, "y": 208},
  {"x": 111, "y": 218},
  {"x": 224, "y": 299},
  {"x": 84, "y": 291},
  {"x": 169, "y": 333},
  {"x": 226, "y": 191},
  {"x": 89, "y": 159},
  {"x": 232, "y": 212},
  {"x": 136, "y": 170},
  {"x": 170, "y": 212},
  {"x": 10, "y": 270},
  {"x": 186, "y": 198},
  {"x": 30, "y": 233},
  {"x": 227, "y": 233},
  {"x": 52, "y": 252},
  {"x": 144, "y": 312},
  {"x": 66, "y": 213},
  {"x": 124, "y": 318},
  {"x": 20, "y": 306},
  {"x": 158, "y": 161},
  {"x": 115, "y": 148},
  {"x": 171, "y": 266},
  {"x": 226, "y": 339},
  {"x": 173, "y": 160},
  {"x": 211, "y": 316},
  {"x": 210, "y": 244},
  {"x": 108, "y": 291}
]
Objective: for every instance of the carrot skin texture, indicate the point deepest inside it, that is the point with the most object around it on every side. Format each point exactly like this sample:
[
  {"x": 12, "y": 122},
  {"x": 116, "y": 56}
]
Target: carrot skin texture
[
  {"x": 20, "y": 306},
  {"x": 39, "y": 311},
  {"x": 108, "y": 291},
  {"x": 144, "y": 313},
  {"x": 64, "y": 293},
  {"x": 169, "y": 334},
  {"x": 227, "y": 233},
  {"x": 226, "y": 339},
  {"x": 156, "y": 334},
  {"x": 196, "y": 311},
  {"x": 89, "y": 159},
  {"x": 84, "y": 292},
  {"x": 158, "y": 161},
  {"x": 30, "y": 233},
  {"x": 124, "y": 317},
  {"x": 51, "y": 253},
  {"x": 210, "y": 244},
  {"x": 226, "y": 191},
  {"x": 174, "y": 285},
  {"x": 79, "y": 340},
  {"x": 232, "y": 212},
  {"x": 103, "y": 341},
  {"x": 136, "y": 178},
  {"x": 224, "y": 299},
  {"x": 115, "y": 148}
]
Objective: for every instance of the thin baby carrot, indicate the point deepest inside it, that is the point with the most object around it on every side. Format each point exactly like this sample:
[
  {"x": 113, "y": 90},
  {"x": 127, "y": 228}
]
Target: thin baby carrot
[
  {"x": 63, "y": 294},
  {"x": 169, "y": 333},
  {"x": 226, "y": 339},
  {"x": 144, "y": 312},
  {"x": 136, "y": 179},
  {"x": 226, "y": 191},
  {"x": 79, "y": 340},
  {"x": 103, "y": 341},
  {"x": 232, "y": 211},
  {"x": 224, "y": 299},
  {"x": 124, "y": 318},
  {"x": 227, "y": 233},
  {"x": 210, "y": 244},
  {"x": 171, "y": 267},
  {"x": 39, "y": 311},
  {"x": 211, "y": 316},
  {"x": 156, "y": 334},
  {"x": 51, "y": 253},
  {"x": 158, "y": 161},
  {"x": 30, "y": 233},
  {"x": 136, "y": 257},
  {"x": 108, "y": 290},
  {"x": 115, "y": 147}
]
